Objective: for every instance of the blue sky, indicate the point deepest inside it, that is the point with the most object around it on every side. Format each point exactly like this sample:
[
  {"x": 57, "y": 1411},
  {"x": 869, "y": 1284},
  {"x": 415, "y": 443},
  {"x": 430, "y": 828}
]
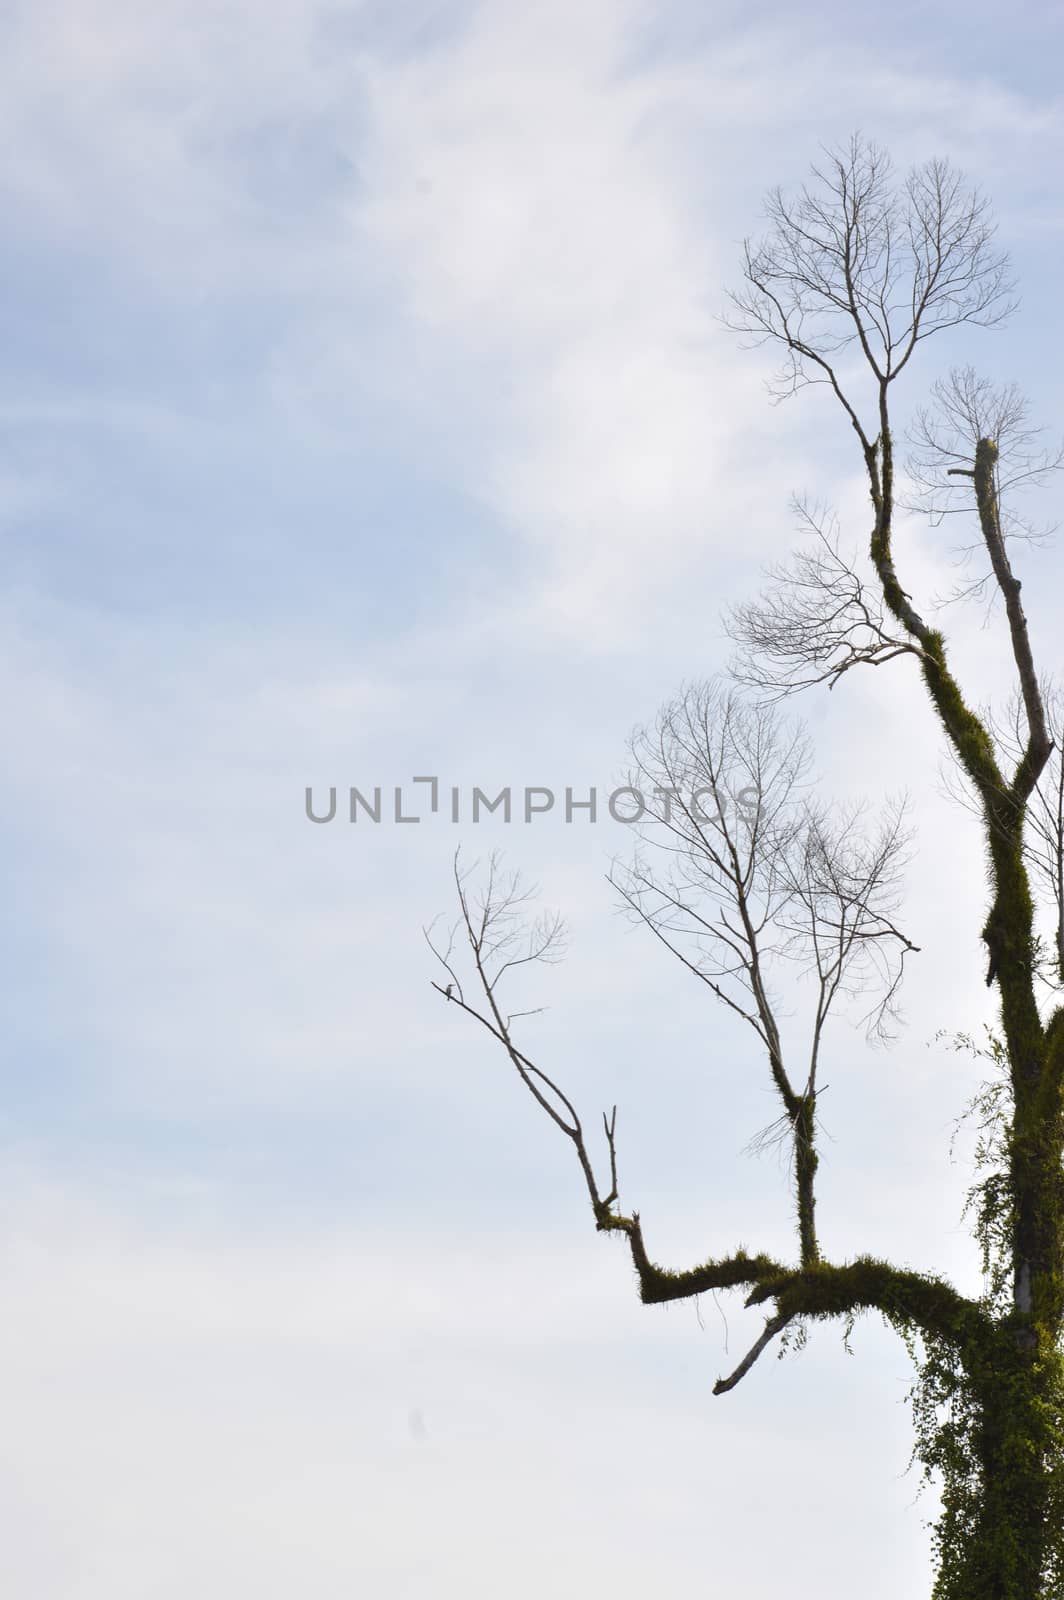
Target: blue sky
[{"x": 364, "y": 413}]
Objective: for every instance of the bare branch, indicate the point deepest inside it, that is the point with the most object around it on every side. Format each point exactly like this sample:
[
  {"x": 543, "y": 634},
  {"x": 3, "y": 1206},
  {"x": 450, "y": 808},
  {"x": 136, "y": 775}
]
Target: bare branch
[
  {"x": 773, "y": 1326},
  {"x": 860, "y": 263},
  {"x": 748, "y": 888},
  {"x": 943, "y": 437},
  {"x": 816, "y": 621},
  {"x": 491, "y": 918}
]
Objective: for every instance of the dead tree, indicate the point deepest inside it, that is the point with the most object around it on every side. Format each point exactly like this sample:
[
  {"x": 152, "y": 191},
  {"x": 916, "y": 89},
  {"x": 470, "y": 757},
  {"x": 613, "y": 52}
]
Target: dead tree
[{"x": 852, "y": 276}]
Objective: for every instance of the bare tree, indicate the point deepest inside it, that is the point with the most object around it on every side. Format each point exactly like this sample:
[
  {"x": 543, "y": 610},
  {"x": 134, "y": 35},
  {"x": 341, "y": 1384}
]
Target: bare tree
[
  {"x": 741, "y": 872},
  {"x": 757, "y": 876}
]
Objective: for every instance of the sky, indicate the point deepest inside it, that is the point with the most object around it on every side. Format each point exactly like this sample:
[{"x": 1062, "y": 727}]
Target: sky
[{"x": 365, "y": 413}]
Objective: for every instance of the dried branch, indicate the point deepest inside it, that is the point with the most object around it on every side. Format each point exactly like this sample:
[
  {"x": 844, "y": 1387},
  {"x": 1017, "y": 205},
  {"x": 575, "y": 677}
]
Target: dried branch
[
  {"x": 860, "y": 264},
  {"x": 773, "y": 1326},
  {"x": 747, "y": 888},
  {"x": 498, "y": 918},
  {"x": 943, "y": 437},
  {"x": 816, "y": 620}
]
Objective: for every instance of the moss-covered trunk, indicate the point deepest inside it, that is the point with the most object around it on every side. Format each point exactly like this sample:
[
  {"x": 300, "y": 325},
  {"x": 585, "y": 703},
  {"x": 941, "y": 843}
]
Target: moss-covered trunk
[{"x": 1000, "y": 1552}]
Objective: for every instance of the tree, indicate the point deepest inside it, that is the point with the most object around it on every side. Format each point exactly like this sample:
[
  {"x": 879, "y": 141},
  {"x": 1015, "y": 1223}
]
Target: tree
[{"x": 852, "y": 276}]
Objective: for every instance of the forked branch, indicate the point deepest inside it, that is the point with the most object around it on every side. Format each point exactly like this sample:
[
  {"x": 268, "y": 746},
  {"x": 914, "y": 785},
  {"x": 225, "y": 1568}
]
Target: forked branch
[{"x": 489, "y": 924}]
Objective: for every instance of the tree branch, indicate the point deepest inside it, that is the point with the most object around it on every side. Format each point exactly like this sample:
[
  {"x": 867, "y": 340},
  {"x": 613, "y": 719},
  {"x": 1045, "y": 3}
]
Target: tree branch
[{"x": 773, "y": 1326}]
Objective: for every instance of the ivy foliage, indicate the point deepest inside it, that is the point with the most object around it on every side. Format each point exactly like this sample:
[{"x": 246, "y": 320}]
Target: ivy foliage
[{"x": 989, "y": 1425}]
